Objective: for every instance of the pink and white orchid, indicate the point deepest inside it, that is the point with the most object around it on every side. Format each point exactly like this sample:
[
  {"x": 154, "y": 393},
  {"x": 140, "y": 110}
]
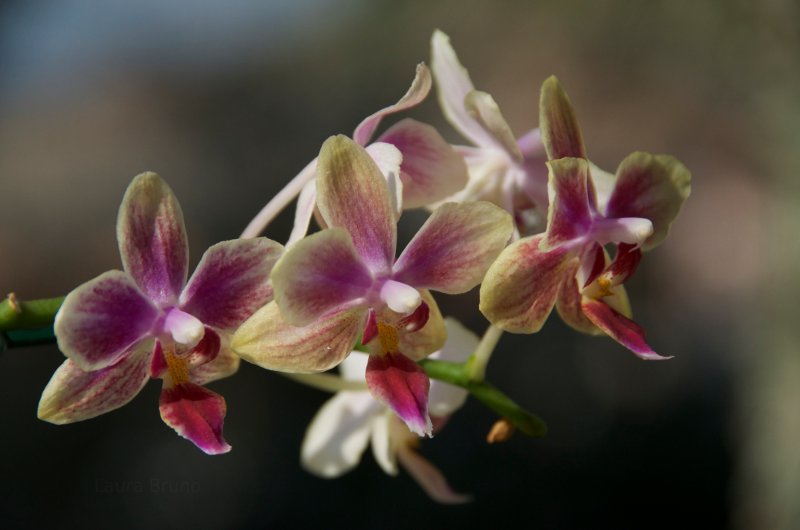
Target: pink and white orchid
[
  {"x": 338, "y": 435},
  {"x": 419, "y": 165},
  {"x": 567, "y": 266},
  {"x": 506, "y": 171},
  {"x": 122, "y": 328},
  {"x": 344, "y": 282}
]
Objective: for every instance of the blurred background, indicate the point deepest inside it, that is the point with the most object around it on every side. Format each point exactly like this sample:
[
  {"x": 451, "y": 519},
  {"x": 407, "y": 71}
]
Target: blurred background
[{"x": 229, "y": 100}]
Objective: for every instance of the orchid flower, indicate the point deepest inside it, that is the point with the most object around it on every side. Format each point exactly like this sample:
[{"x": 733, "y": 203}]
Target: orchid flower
[
  {"x": 122, "y": 328},
  {"x": 419, "y": 165},
  {"x": 506, "y": 171},
  {"x": 567, "y": 266},
  {"x": 344, "y": 282},
  {"x": 338, "y": 435}
]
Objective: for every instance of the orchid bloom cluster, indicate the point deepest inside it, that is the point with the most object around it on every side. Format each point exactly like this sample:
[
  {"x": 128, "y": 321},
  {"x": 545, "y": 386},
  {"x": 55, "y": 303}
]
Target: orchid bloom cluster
[{"x": 531, "y": 221}]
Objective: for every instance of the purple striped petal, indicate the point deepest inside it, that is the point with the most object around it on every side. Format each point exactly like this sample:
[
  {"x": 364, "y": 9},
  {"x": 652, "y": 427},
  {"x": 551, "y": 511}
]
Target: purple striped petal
[
  {"x": 620, "y": 328},
  {"x": 321, "y": 273},
  {"x": 453, "y": 85},
  {"x": 431, "y": 170},
  {"x": 454, "y": 248},
  {"x": 429, "y": 478},
  {"x": 561, "y": 133},
  {"x": 267, "y": 340},
  {"x": 196, "y": 414},
  {"x": 74, "y": 395},
  {"x": 568, "y": 216},
  {"x": 653, "y": 187},
  {"x": 520, "y": 289},
  {"x": 152, "y": 238},
  {"x": 403, "y": 385},
  {"x": 352, "y": 194},
  {"x": 102, "y": 319},
  {"x": 231, "y": 281},
  {"x": 483, "y": 108},
  {"x": 414, "y": 96}
]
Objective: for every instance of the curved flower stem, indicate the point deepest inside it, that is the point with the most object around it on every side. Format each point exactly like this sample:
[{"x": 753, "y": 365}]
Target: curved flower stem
[
  {"x": 476, "y": 365},
  {"x": 27, "y": 323},
  {"x": 15, "y": 314},
  {"x": 326, "y": 382},
  {"x": 459, "y": 374},
  {"x": 280, "y": 201}
]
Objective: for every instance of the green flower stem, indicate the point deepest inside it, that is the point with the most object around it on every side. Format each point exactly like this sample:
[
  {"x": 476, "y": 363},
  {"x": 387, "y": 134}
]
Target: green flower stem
[
  {"x": 35, "y": 313},
  {"x": 461, "y": 375},
  {"x": 27, "y": 323},
  {"x": 480, "y": 357}
]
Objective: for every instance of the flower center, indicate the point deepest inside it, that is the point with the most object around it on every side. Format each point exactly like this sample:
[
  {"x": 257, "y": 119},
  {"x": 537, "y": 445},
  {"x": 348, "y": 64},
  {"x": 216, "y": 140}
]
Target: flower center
[
  {"x": 177, "y": 366},
  {"x": 387, "y": 335}
]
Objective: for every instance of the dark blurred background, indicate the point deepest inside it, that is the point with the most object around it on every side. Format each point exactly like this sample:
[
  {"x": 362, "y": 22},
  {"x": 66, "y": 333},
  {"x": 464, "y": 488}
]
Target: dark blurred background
[{"x": 229, "y": 100}]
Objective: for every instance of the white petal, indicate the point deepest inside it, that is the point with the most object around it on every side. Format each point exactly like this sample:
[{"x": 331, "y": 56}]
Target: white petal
[
  {"x": 338, "y": 434},
  {"x": 444, "y": 398},
  {"x": 354, "y": 368},
  {"x": 389, "y": 158},
  {"x": 384, "y": 449}
]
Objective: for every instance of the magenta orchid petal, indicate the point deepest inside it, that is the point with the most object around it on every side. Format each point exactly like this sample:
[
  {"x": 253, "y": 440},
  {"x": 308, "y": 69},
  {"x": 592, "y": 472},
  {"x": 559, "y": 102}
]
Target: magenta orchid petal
[
  {"x": 196, "y": 414},
  {"x": 561, "y": 133},
  {"x": 453, "y": 84},
  {"x": 403, "y": 385},
  {"x": 454, "y": 248},
  {"x": 568, "y": 303},
  {"x": 414, "y": 96},
  {"x": 370, "y": 328},
  {"x": 322, "y": 272},
  {"x": 593, "y": 262},
  {"x": 206, "y": 350},
  {"x": 417, "y": 319},
  {"x": 520, "y": 288},
  {"x": 74, "y": 394},
  {"x": 429, "y": 478},
  {"x": 483, "y": 108},
  {"x": 102, "y": 319},
  {"x": 624, "y": 265},
  {"x": 620, "y": 328},
  {"x": 569, "y": 216},
  {"x": 269, "y": 341},
  {"x": 431, "y": 170},
  {"x": 231, "y": 281},
  {"x": 152, "y": 238},
  {"x": 418, "y": 344},
  {"x": 224, "y": 364},
  {"x": 158, "y": 363},
  {"x": 352, "y": 194},
  {"x": 653, "y": 187}
]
